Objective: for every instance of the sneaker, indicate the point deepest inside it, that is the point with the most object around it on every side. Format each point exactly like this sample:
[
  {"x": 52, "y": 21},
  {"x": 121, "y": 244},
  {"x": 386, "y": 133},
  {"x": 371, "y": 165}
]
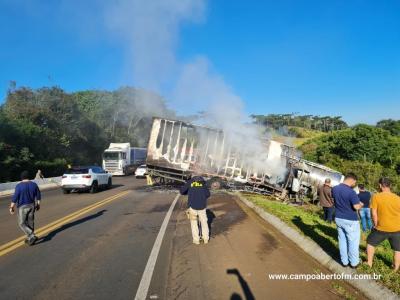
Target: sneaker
[
  {"x": 32, "y": 240},
  {"x": 205, "y": 241},
  {"x": 26, "y": 241},
  {"x": 196, "y": 242}
]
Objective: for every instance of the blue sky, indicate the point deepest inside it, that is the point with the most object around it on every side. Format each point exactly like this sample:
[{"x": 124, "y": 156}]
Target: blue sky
[{"x": 308, "y": 57}]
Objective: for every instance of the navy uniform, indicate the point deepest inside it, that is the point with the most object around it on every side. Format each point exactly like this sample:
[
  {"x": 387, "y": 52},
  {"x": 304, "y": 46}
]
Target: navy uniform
[{"x": 198, "y": 193}]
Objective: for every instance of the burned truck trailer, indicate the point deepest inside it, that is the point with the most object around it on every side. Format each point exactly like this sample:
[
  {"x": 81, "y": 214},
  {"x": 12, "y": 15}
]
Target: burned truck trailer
[{"x": 178, "y": 149}]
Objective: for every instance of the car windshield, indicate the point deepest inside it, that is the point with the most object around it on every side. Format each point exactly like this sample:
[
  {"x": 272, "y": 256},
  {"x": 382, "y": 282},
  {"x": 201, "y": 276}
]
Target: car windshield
[
  {"x": 111, "y": 155},
  {"x": 77, "y": 171}
]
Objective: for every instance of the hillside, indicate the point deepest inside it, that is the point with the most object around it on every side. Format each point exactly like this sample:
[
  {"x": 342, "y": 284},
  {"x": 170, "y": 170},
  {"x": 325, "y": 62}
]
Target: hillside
[{"x": 296, "y": 136}]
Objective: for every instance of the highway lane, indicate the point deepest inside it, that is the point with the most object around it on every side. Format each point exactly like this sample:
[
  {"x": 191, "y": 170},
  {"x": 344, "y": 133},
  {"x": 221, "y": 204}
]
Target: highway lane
[
  {"x": 103, "y": 253},
  {"x": 56, "y": 205},
  {"x": 98, "y": 256}
]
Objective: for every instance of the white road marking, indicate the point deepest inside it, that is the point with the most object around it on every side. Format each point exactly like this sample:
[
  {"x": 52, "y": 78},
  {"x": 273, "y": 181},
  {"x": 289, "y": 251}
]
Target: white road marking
[{"x": 144, "y": 285}]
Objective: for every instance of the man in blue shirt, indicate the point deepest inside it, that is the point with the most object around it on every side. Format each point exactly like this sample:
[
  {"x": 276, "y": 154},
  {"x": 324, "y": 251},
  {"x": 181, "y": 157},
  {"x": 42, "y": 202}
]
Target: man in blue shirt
[
  {"x": 346, "y": 205},
  {"x": 27, "y": 199},
  {"x": 365, "y": 211},
  {"x": 198, "y": 193}
]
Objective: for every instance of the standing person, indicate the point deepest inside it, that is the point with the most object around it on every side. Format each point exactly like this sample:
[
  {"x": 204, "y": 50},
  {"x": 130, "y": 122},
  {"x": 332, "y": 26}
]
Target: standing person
[
  {"x": 326, "y": 200},
  {"x": 348, "y": 226},
  {"x": 39, "y": 175},
  {"x": 27, "y": 199},
  {"x": 385, "y": 209},
  {"x": 198, "y": 193},
  {"x": 365, "y": 212}
]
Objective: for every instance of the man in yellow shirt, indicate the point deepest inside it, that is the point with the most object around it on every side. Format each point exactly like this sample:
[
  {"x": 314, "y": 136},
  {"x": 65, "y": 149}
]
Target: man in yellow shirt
[{"x": 385, "y": 209}]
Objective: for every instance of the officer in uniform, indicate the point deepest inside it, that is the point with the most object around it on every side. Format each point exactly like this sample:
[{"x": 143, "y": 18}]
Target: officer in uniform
[{"x": 198, "y": 193}]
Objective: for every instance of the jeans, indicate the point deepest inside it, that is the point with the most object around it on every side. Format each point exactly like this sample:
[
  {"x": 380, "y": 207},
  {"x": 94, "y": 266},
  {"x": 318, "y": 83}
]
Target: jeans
[
  {"x": 328, "y": 213},
  {"x": 349, "y": 241},
  {"x": 365, "y": 215},
  {"x": 199, "y": 217},
  {"x": 26, "y": 216}
]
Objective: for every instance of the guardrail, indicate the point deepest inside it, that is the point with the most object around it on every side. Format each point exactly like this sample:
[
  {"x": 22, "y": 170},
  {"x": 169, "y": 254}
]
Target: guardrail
[{"x": 10, "y": 186}]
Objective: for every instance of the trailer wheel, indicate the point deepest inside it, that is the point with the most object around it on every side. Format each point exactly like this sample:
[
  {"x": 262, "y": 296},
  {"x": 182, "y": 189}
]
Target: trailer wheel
[{"x": 215, "y": 183}]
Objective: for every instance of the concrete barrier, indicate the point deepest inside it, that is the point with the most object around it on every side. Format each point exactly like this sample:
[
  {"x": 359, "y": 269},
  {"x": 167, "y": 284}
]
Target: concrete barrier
[{"x": 7, "y": 189}]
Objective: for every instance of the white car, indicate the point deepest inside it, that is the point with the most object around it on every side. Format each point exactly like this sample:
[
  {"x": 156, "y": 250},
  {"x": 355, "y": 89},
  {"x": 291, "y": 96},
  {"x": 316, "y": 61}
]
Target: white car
[
  {"x": 85, "y": 179},
  {"x": 141, "y": 171}
]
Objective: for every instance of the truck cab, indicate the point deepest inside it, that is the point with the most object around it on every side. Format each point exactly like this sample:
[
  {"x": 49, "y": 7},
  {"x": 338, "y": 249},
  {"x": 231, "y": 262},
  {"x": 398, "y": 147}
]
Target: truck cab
[
  {"x": 122, "y": 159},
  {"x": 116, "y": 158}
]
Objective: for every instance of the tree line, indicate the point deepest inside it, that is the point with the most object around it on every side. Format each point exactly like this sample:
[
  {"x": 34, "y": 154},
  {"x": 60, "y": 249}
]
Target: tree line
[
  {"x": 368, "y": 151},
  {"x": 48, "y": 128},
  {"x": 320, "y": 123}
]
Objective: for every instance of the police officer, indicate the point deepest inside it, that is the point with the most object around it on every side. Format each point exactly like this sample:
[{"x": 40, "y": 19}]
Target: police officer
[{"x": 198, "y": 193}]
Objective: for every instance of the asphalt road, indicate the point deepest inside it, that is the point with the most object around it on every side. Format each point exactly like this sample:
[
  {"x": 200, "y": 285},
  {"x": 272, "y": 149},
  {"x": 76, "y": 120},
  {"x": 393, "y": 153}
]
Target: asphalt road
[{"x": 99, "y": 245}]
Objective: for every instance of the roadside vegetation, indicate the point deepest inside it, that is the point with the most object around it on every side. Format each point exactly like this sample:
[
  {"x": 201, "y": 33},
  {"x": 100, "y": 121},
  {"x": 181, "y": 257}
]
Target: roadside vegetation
[
  {"x": 369, "y": 151},
  {"x": 308, "y": 221},
  {"x": 296, "y": 136},
  {"x": 48, "y": 128},
  {"x": 311, "y": 122}
]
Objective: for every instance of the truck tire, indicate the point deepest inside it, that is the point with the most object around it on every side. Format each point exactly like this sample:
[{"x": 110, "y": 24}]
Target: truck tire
[
  {"x": 216, "y": 183},
  {"x": 94, "y": 187},
  {"x": 109, "y": 184}
]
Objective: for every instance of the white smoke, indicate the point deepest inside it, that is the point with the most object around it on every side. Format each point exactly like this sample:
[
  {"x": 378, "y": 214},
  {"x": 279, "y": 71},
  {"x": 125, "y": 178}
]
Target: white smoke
[{"x": 150, "y": 30}]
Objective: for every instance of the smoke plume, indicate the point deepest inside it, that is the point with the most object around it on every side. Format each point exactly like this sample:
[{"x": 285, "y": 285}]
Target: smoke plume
[{"x": 151, "y": 31}]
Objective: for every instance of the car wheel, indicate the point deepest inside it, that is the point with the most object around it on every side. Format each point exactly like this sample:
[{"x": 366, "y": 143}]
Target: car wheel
[
  {"x": 66, "y": 191},
  {"x": 109, "y": 184},
  {"x": 94, "y": 187}
]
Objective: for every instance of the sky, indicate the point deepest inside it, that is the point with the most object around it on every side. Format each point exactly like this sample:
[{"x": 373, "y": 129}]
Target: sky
[{"x": 337, "y": 58}]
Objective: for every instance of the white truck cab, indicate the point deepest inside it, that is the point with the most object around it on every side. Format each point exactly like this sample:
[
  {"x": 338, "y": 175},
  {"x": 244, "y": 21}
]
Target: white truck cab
[{"x": 122, "y": 159}]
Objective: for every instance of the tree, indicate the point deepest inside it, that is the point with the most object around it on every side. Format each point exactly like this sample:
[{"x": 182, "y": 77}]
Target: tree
[{"x": 390, "y": 125}]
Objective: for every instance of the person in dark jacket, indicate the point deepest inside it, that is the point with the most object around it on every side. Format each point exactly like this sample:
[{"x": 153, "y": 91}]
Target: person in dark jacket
[
  {"x": 198, "y": 193},
  {"x": 27, "y": 199},
  {"x": 365, "y": 211},
  {"x": 326, "y": 200}
]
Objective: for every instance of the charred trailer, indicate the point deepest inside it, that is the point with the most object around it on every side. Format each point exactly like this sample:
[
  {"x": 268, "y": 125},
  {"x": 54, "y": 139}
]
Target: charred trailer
[
  {"x": 178, "y": 149},
  {"x": 305, "y": 177}
]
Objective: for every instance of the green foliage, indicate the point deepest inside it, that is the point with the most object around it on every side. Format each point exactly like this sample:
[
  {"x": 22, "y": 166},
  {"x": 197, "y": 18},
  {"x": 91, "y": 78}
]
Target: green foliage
[
  {"x": 48, "y": 128},
  {"x": 279, "y": 121},
  {"x": 303, "y": 133},
  {"x": 368, "y": 151},
  {"x": 393, "y": 126}
]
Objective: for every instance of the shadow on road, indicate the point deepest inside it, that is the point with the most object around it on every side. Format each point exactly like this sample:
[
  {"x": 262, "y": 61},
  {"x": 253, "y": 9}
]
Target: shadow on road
[
  {"x": 245, "y": 287},
  {"x": 101, "y": 189},
  {"x": 53, "y": 233},
  {"x": 114, "y": 186}
]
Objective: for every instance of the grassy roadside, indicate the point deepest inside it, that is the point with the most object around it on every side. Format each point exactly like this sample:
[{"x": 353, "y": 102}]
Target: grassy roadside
[
  {"x": 308, "y": 221},
  {"x": 297, "y": 136}
]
